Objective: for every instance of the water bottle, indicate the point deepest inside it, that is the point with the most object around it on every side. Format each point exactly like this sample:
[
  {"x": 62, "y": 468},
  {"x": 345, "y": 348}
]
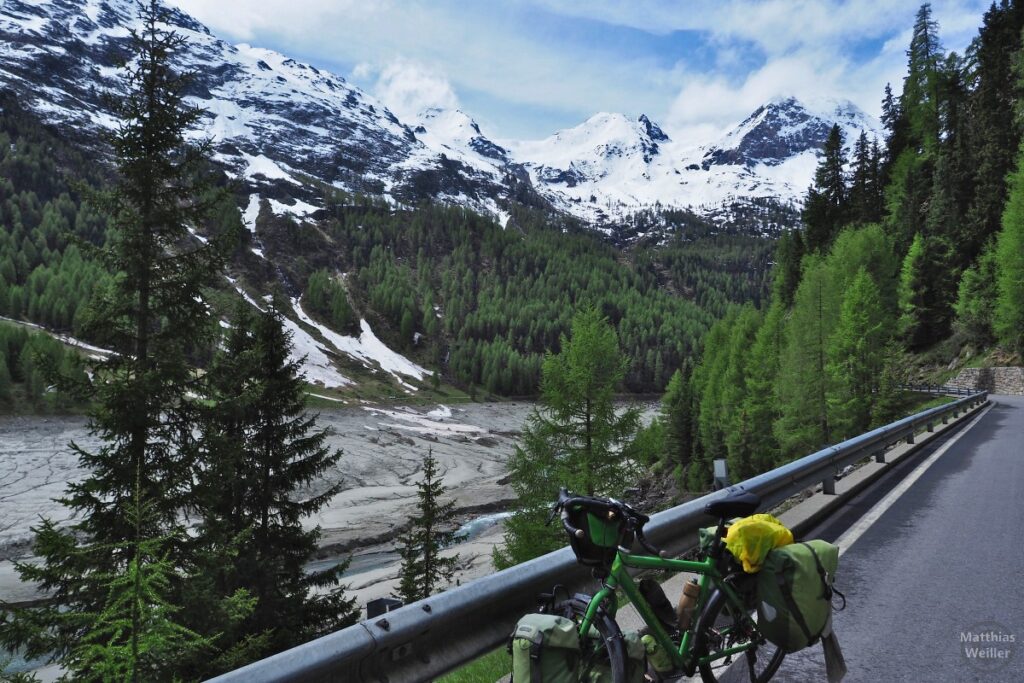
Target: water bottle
[{"x": 687, "y": 603}]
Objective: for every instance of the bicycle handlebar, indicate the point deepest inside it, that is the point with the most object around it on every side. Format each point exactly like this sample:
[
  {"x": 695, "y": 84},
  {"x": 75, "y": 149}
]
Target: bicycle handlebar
[{"x": 634, "y": 518}]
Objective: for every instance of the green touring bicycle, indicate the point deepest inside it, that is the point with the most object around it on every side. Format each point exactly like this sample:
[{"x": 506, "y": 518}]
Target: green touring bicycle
[{"x": 721, "y": 636}]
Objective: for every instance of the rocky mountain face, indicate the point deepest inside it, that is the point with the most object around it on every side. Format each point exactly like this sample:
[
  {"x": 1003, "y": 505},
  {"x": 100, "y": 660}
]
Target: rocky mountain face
[{"x": 283, "y": 127}]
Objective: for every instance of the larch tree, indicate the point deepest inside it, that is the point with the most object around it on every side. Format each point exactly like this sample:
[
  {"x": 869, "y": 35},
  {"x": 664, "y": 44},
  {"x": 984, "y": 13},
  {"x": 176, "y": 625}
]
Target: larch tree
[
  {"x": 856, "y": 355},
  {"x": 802, "y": 384},
  {"x": 1009, "y": 308},
  {"x": 574, "y": 438}
]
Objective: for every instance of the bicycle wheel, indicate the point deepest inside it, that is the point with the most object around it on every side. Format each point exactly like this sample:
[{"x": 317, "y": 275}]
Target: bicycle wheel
[
  {"x": 607, "y": 653},
  {"x": 721, "y": 627}
]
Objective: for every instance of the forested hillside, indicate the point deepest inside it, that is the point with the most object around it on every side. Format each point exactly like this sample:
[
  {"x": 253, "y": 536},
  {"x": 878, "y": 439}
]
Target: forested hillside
[
  {"x": 485, "y": 303},
  {"x": 477, "y": 303},
  {"x": 912, "y": 248},
  {"x": 46, "y": 274}
]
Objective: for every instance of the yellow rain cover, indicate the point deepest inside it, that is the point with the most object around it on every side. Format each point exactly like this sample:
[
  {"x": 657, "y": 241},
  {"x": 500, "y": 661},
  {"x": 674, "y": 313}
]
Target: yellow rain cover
[{"x": 751, "y": 538}]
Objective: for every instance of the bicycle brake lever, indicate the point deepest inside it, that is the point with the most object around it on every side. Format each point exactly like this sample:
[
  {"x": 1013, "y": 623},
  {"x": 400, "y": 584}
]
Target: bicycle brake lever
[{"x": 554, "y": 511}]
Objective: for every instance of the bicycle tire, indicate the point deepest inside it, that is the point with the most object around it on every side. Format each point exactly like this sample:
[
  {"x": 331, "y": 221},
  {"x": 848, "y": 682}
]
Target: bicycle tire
[
  {"x": 717, "y": 615},
  {"x": 610, "y": 649}
]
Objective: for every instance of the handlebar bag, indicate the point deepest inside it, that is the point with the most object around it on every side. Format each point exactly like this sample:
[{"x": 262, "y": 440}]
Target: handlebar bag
[
  {"x": 604, "y": 530},
  {"x": 794, "y": 590}
]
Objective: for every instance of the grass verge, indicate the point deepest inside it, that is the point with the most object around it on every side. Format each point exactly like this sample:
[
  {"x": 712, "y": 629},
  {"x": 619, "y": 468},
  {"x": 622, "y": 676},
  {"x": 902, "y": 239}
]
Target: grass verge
[{"x": 486, "y": 669}]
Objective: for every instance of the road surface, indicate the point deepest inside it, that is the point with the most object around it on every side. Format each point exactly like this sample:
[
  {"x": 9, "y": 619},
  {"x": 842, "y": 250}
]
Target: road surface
[{"x": 937, "y": 582}]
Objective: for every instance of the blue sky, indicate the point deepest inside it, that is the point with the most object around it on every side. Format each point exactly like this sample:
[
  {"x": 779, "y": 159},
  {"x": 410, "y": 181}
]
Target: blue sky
[{"x": 525, "y": 68}]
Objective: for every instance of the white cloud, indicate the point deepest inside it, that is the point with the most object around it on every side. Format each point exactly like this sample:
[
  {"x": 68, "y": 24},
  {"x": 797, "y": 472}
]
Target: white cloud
[
  {"x": 407, "y": 87},
  {"x": 419, "y": 53}
]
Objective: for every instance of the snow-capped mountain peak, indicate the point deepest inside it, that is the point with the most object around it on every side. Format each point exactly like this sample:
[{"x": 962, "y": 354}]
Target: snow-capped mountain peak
[
  {"x": 786, "y": 127},
  {"x": 453, "y": 131},
  {"x": 277, "y": 122}
]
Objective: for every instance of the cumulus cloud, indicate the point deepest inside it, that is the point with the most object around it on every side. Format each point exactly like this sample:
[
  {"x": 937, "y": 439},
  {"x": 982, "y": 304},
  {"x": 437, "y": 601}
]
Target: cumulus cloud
[
  {"x": 504, "y": 60},
  {"x": 407, "y": 87}
]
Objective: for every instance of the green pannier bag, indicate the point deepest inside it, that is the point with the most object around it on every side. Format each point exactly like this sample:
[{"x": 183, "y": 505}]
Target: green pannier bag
[
  {"x": 545, "y": 649},
  {"x": 636, "y": 661},
  {"x": 794, "y": 590}
]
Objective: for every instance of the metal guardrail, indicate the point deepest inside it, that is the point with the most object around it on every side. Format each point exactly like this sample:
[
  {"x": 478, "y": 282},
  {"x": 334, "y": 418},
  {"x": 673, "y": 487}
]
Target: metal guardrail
[
  {"x": 939, "y": 389},
  {"x": 429, "y": 638}
]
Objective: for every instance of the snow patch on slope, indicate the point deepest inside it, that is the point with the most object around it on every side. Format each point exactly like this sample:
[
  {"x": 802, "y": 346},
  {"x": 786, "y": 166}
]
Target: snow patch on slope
[{"x": 366, "y": 348}]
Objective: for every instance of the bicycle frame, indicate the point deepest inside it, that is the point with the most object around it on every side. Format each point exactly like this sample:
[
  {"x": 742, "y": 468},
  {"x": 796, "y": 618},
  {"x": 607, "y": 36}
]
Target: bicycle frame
[{"x": 710, "y": 577}]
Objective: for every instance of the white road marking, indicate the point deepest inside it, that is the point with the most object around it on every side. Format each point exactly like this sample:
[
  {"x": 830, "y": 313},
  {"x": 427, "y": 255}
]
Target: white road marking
[{"x": 864, "y": 523}]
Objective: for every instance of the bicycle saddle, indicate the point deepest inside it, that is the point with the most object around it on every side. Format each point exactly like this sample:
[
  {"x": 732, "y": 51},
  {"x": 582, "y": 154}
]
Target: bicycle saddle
[{"x": 737, "y": 505}]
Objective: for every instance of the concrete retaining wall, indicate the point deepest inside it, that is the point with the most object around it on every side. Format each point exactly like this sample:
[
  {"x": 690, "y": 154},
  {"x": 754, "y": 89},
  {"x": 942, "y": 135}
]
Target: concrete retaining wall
[{"x": 1006, "y": 380}]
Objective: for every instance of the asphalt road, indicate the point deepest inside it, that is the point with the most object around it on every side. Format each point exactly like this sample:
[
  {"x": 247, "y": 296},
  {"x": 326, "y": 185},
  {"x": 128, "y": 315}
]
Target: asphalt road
[{"x": 943, "y": 564}]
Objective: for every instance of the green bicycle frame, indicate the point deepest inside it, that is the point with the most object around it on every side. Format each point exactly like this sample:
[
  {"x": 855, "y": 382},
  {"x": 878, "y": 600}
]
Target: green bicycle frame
[{"x": 710, "y": 577}]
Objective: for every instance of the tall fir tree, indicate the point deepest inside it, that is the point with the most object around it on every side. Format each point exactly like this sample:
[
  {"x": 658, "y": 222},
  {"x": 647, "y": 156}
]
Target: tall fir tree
[
  {"x": 574, "y": 438},
  {"x": 911, "y": 165},
  {"x": 922, "y": 85},
  {"x": 865, "y": 203},
  {"x": 825, "y": 209},
  {"x": 265, "y": 457},
  {"x": 992, "y": 133},
  {"x": 789, "y": 253},
  {"x": 154, "y": 317},
  {"x": 677, "y": 415},
  {"x": 424, "y": 570}
]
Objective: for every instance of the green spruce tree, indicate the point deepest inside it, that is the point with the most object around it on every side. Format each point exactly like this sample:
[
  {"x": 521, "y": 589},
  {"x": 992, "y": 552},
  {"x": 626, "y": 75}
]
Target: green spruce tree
[
  {"x": 424, "y": 570},
  {"x": 154, "y": 317},
  {"x": 826, "y": 207},
  {"x": 677, "y": 418},
  {"x": 263, "y": 453}
]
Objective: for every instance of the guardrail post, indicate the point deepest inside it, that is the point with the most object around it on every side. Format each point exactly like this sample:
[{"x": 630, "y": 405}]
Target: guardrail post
[
  {"x": 910, "y": 437},
  {"x": 828, "y": 486},
  {"x": 931, "y": 426},
  {"x": 880, "y": 456}
]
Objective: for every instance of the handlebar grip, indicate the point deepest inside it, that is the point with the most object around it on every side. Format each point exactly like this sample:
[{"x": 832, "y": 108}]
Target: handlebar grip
[{"x": 573, "y": 531}]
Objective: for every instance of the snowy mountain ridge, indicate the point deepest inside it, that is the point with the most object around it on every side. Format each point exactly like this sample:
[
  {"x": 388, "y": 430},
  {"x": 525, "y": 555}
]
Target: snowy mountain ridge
[{"x": 277, "y": 123}]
